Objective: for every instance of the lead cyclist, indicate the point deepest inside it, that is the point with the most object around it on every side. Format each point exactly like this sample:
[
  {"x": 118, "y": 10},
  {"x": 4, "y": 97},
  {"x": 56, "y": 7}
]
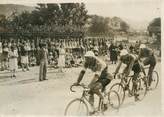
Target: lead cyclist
[{"x": 100, "y": 79}]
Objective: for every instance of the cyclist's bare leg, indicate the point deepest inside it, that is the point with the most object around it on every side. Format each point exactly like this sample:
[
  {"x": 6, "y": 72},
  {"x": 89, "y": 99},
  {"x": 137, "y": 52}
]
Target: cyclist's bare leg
[
  {"x": 93, "y": 86},
  {"x": 150, "y": 72},
  {"x": 95, "y": 89},
  {"x": 91, "y": 98},
  {"x": 135, "y": 76}
]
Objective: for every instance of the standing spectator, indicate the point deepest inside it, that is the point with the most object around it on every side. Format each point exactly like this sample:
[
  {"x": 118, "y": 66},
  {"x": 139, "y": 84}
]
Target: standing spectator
[
  {"x": 61, "y": 61},
  {"x": 120, "y": 46},
  {"x": 137, "y": 47},
  {"x": 13, "y": 63},
  {"x": 1, "y": 54},
  {"x": 67, "y": 59},
  {"x": 79, "y": 61},
  {"x": 32, "y": 47},
  {"x": 32, "y": 60},
  {"x": 24, "y": 57},
  {"x": 96, "y": 50},
  {"x": 28, "y": 49},
  {"x": 43, "y": 62},
  {"x": 37, "y": 55},
  {"x": 19, "y": 53},
  {"x": 131, "y": 49},
  {"x": 113, "y": 53},
  {"x": 56, "y": 56},
  {"x": 5, "y": 56}
]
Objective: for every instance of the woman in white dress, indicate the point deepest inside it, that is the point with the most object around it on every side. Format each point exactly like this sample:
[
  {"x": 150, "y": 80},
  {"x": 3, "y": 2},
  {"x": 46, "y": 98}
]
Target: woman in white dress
[
  {"x": 13, "y": 62},
  {"x": 61, "y": 61}
]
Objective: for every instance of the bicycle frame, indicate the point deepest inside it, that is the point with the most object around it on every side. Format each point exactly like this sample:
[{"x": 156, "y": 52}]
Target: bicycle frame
[
  {"x": 129, "y": 78},
  {"x": 123, "y": 80},
  {"x": 84, "y": 98}
]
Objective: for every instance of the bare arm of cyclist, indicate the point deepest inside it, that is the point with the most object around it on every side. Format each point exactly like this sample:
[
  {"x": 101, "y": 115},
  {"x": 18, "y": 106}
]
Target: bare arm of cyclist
[
  {"x": 80, "y": 76},
  {"x": 130, "y": 66},
  {"x": 142, "y": 67},
  {"x": 118, "y": 67}
]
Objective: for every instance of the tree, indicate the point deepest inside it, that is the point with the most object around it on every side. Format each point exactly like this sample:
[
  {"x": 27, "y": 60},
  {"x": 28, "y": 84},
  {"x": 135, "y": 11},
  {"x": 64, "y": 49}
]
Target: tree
[
  {"x": 154, "y": 28},
  {"x": 64, "y": 18},
  {"x": 124, "y": 26},
  {"x": 98, "y": 25}
]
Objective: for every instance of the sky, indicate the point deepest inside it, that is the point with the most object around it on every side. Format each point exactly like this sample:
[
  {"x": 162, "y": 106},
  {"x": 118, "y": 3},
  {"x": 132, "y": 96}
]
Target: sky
[
  {"x": 135, "y": 11},
  {"x": 138, "y": 10}
]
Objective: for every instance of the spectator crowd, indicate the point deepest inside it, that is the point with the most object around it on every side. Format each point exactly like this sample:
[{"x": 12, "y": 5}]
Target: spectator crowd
[{"x": 64, "y": 53}]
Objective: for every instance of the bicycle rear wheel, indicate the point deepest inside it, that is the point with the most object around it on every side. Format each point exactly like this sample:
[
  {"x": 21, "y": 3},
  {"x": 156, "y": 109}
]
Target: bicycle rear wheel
[
  {"x": 118, "y": 87},
  {"x": 77, "y": 107},
  {"x": 141, "y": 88},
  {"x": 155, "y": 80},
  {"x": 114, "y": 99}
]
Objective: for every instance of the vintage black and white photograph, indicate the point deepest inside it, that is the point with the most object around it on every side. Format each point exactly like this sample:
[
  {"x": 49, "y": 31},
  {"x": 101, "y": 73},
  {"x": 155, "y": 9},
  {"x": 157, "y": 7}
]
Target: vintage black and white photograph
[{"x": 80, "y": 58}]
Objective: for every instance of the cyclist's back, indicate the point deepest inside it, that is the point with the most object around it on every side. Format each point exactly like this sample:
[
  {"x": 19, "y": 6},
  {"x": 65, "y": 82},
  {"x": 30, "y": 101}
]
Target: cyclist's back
[{"x": 149, "y": 59}]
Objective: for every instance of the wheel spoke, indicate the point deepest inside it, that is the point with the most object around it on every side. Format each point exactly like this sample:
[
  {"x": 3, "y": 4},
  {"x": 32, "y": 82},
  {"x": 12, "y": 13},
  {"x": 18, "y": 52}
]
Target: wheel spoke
[{"x": 76, "y": 107}]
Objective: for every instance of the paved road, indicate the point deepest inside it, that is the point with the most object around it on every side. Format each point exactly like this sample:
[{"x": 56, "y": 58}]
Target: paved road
[{"x": 26, "y": 96}]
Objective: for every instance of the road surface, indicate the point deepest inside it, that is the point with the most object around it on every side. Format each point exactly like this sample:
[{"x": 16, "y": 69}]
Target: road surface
[{"x": 25, "y": 95}]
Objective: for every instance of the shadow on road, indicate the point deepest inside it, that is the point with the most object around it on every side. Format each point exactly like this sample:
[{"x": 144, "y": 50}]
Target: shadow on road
[
  {"x": 27, "y": 81},
  {"x": 125, "y": 105}
]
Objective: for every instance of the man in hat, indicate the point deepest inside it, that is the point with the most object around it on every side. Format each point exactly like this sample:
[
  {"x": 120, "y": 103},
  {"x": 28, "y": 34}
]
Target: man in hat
[{"x": 43, "y": 62}]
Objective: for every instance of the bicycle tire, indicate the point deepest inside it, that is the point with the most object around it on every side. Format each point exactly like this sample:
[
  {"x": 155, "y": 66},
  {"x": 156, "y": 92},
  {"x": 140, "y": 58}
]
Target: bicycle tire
[
  {"x": 116, "y": 97},
  {"x": 141, "y": 88},
  {"x": 120, "y": 91},
  {"x": 71, "y": 103},
  {"x": 155, "y": 80}
]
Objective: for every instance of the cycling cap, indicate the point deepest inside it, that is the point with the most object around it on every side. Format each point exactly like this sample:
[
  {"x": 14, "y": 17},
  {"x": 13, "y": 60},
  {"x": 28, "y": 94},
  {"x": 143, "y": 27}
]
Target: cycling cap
[
  {"x": 89, "y": 54},
  {"x": 123, "y": 52},
  {"x": 142, "y": 46}
]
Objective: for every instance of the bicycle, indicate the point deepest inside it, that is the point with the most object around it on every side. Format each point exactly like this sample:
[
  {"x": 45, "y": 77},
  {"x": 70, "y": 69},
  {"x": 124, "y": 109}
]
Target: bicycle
[
  {"x": 126, "y": 84},
  {"x": 84, "y": 104},
  {"x": 154, "y": 81}
]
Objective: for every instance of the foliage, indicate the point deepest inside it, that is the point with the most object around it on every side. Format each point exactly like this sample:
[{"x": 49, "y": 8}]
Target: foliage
[
  {"x": 155, "y": 28},
  {"x": 98, "y": 25},
  {"x": 124, "y": 26},
  {"x": 51, "y": 18}
]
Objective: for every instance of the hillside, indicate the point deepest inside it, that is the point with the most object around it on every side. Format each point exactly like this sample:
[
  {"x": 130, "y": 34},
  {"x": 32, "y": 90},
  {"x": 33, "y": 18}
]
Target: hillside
[{"x": 7, "y": 9}]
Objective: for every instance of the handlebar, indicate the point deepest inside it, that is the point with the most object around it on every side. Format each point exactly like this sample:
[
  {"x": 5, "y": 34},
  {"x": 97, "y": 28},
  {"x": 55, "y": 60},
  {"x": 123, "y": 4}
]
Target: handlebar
[{"x": 81, "y": 85}]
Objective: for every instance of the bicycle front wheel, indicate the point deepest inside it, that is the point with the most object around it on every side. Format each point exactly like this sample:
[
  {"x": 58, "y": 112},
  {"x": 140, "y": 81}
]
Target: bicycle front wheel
[
  {"x": 77, "y": 107},
  {"x": 118, "y": 87},
  {"x": 155, "y": 80},
  {"x": 114, "y": 99}
]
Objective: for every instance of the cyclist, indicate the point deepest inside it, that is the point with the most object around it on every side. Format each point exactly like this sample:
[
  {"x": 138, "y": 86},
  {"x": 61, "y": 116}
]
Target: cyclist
[
  {"x": 131, "y": 61},
  {"x": 100, "y": 80},
  {"x": 149, "y": 59}
]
